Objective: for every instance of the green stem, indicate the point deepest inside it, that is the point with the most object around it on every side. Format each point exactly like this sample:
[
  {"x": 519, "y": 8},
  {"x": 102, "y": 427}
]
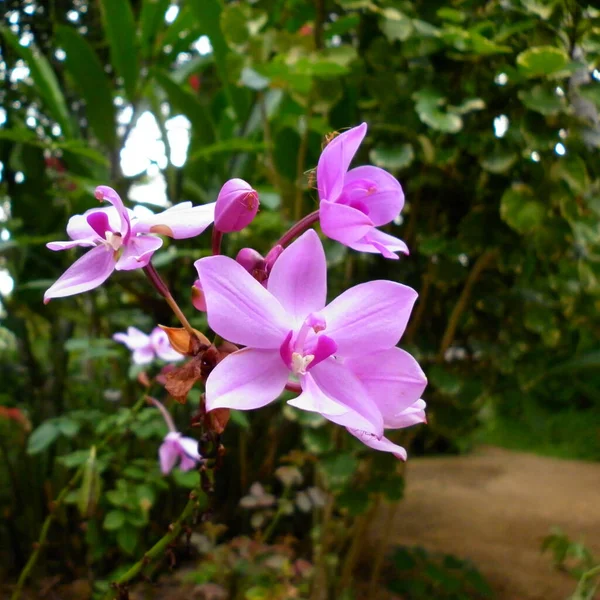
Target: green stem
[
  {"x": 161, "y": 546},
  {"x": 38, "y": 546},
  {"x": 273, "y": 524}
]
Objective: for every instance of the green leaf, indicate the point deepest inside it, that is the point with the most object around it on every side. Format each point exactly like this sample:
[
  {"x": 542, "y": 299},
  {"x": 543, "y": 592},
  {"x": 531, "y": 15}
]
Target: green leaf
[
  {"x": 541, "y": 8},
  {"x": 240, "y": 419},
  {"x": 572, "y": 170},
  {"x": 89, "y": 492},
  {"x": 520, "y": 209},
  {"x": 152, "y": 17},
  {"x": 44, "y": 79},
  {"x": 591, "y": 92},
  {"x": 499, "y": 161},
  {"x": 543, "y": 100},
  {"x": 427, "y": 103},
  {"x": 119, "y": 28},
  {"x": 187, "y": 103},
  {"x": 89, "y": 76},
  {"x": 338, "y": 468},
  {"x": 317, "y": 441},
  {"x": 445, "y": 381},
  {"x": 208, "y": 15},
  {"x": 227, "y": 146},
  {"x": 393, "y": 159},
  {"x": 542, "y": 60},
  {"x": 42, "y": 437},
  {"x": 127, "y": 538},
  {"x": 68, "y": 427},
  {"x": 451, "y": 14}
]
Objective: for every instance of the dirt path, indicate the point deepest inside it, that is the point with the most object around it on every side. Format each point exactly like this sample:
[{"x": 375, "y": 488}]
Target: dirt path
[{"x": 494, "y": 507}]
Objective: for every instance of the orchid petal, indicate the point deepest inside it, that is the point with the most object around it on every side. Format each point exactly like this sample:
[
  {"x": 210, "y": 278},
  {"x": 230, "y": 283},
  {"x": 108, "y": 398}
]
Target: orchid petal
[
  {"x": 299, "y": 276},
  {"x": 190, "y": 447},
  {"x": 79, "y": 228},
  {"x": 102, "y": 193},
  {"x": 377, "y": 242},
  {"x": 369, "y": 316},
  {"x": 247, "y": 379},
  {"x": 382, "y": 444},
  {"x": 71, "y": 244},
  {"x": 98, "y": 221},
  {"x": 238, "y": 307},
  {"x": 160, "y": 342},
  {"x": 179, "y": 222},
  {"x": 343, "y": 223},
  {"x": 313, "y": 399},
  {"x": 168, "y": 452},
  {"x": 134, "y": 339},
  {"x": 378, "y": 190},
  {"x": 143, "y": 356},
  {"x": 86, "y": 273},
  {"x": 138, "y": 252},
  {"x": 335, "y": 160},
  {"x": 413, "y": 415},
  {"x": 339, "y": 383},
  {"x": 393, "y": 378}
]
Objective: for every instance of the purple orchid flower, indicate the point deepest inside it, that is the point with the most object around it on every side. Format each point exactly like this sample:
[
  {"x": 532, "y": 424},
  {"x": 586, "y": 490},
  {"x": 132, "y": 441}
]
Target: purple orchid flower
[
  {"x": 354, "y": 203},
  {"x": 146, "y": 348},
  {"x": 175, "y": 447},
  {"x": 118, "y": 240},
  {"x": 288, "y": 332}
]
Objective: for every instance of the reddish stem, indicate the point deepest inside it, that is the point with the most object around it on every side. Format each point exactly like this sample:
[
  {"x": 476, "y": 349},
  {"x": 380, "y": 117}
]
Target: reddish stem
[
  {"x": 298, "y": 228},
  {"x": 217, "y": 236},
  {"x": 293, "y": 387}
]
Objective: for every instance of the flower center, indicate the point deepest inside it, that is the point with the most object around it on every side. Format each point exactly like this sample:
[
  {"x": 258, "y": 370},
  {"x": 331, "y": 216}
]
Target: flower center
[
  {"x": 113, "y": 240},
  {"x": 302, "y": 351}
]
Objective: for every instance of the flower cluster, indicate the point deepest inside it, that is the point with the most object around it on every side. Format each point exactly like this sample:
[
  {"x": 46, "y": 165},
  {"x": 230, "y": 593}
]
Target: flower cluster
[{"x": 340, "y": 357}]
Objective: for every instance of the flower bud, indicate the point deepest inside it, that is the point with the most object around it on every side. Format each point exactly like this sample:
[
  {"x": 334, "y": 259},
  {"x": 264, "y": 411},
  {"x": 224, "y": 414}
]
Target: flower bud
[
  {"x": 250, "y": 259},
  {"x": 236, "y": 207},
  {"x": 198, "y": 299}
]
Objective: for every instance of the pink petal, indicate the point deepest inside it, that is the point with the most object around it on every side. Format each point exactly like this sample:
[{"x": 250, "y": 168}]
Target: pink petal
[
  {"x": 162, "y": 347},
  {"x": 239, "y": 308},
  {"x": 247, "y": 379},
  {"x": 134, "y": 339},
  {"x": 98, "y": 221},
  {"x": 179, "y": 222},
  {"x": 393, "y": 378},
  {"x": 376, "y": 241},
  {"x": 369, "y": 316},
  {"x": 71, "y": 244},
  {"x": 168, "y": 452},
  {"x": 105, "y": 193},
  {"x": 190, "y": 447},
  {"x": 378, "y": 190},
  {"x": 335, "y": 160},
  {"x": 382, "y": 444},
  {"x": 343, "y": 223},
  {"x": 86, "y": 273},
  {"x": 79, "y": 228},
  {"x": 143, "y": 356},
  {"x": 138, "y": 251},
  {"x": 312, "y": 399},
  {"x": 412, "y": 415},
  {"x": 299, "y": 277},
  {"x": 339, "y": 383}
]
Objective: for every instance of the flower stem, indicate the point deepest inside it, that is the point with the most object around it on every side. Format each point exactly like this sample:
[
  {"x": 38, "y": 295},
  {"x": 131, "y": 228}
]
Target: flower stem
[
  {"x": 193, "y": 503},
  {"x": 217, "y": 237},
  {"x": 56, "y": 504},
  {"x": 161, "y": 287},
  {"x": 298, "y": 228}
]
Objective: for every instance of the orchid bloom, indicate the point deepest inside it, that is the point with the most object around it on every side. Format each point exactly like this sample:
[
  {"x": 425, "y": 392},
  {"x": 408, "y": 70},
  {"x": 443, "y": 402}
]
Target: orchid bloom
[
  {"x": 175, "y": 447},
  {"x": 146, "y": 348},
  {"x": 354, "y": 203},
  {"x": 118, "y": 240},
  {"x": 289, "y": 332}
]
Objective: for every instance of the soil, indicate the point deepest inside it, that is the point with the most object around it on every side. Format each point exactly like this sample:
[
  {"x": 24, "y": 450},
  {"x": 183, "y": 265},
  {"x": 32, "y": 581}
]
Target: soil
[{"x": 494, "y": 507}]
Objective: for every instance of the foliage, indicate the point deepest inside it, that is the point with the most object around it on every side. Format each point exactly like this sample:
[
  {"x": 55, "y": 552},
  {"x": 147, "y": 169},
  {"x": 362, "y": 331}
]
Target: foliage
[{"x": 488, "y": 115}]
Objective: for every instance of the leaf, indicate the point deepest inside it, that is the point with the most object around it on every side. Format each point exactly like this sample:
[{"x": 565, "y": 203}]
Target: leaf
[
  {"x": 89, "y": 76},
  {"x": 114, "y": 520},
  {"x": 240, "y": 419},
  {"x": 445, "y": 381},
  {"x": 541, "y": 8},
  {"x": 427, "y": 104},
  {"x": 542, "y": 60},
  {"x": 208, "y": 15},
  {"x": 233, "y": 145},
  {"x": 89, "y": 492},
  {"x": 42, "y": 437},
  {"x": 44, "y": 79},
  {"x": 127, "y": 538},
  {"x": 572, "y": 170},
  {"x": 68, "y": 427},
  {"x": 185, "y": 102},
  {"x": 393, "y": 159},
  {"x": 253, "y": 80},
  {"x": 338, "y": 468},
  {"x": 152, "y": 17},
  {"x": 520, "y": 209},
  {"x": 119, "y": 28},
  {"x": 499, "y": 161},
  {"x": 543, "y": 100}
]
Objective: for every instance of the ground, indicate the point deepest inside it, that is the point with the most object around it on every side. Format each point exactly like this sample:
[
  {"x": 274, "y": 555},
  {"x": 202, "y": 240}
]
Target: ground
[{"x": 494, "y": 507}]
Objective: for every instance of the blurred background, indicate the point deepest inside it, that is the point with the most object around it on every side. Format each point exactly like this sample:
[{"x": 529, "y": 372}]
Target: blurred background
[{"x": 487, "y": 113}]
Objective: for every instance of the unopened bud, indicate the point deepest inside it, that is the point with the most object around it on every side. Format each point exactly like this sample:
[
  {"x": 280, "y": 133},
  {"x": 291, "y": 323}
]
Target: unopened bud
[
  {"x": 250, "y": 259},
  {"x": 236, "y": 207},
  {"x": 198, "y": 299}
]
